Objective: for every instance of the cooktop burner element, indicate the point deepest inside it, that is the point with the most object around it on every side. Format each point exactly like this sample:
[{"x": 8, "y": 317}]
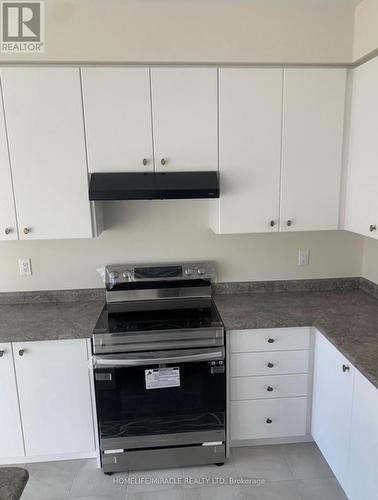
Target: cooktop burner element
[
  {"x": 170, "y": 306},
  {"x": 175, "y": 319}
]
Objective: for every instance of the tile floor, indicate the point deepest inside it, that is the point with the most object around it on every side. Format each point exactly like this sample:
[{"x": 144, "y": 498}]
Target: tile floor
[{"x": 287, "y": 472}]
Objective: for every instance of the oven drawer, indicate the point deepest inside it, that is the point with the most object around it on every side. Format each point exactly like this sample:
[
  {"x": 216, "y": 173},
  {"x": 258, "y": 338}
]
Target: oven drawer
[
  {"x": 270, "y": 339},
  {"x": 163, "y": 458},
  {"x": 273, "y": 386},
  {"x": 269, "y": 363},
  {"x": 163, "y": 440},
  {"x": 268, "y": 418}
]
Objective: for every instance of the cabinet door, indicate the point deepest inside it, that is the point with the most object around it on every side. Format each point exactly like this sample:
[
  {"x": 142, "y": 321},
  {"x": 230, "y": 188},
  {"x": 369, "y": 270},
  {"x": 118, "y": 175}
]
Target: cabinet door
[
  {"x": 8, "y": 222},
  {"x": 11, "y": 441},
  {"x": 47, "y": 150},
  {"x": 185, "y": 119},
  {"x": 312, "y": 139},
  {"x": 363, "y": 458},
  {"x": 250, "y": 105},
  {"x": 332, "y": 405},
  {"x": 362, "y": 176},
  {"x": 117, "y": 109},
  {"x": 54, "y": 391}
]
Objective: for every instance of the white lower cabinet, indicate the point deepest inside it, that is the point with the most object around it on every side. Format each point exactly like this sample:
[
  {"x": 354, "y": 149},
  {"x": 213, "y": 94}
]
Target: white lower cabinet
[
  {"x": 270, "y": 376},
  {"x": 47, "y": 410},
  {"x": 273, "y": 386},
  {"x": 267, "y": 363},
  {"x": 11, "y": 442},
  {"x": 332, "y": 405},
  {"x": 344, "y": 421},
  {"x": 268, "y": 418},
  {"x": 362, "y": 480},
  {"x": 55, "y": 403}
]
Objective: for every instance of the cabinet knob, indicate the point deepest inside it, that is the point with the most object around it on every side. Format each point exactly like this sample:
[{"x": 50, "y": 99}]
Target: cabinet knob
[
  {"x": 270, "y": 365},
  {"x": 289, "y": 222},
  {"x": 346, "y": 368},
  {"x": 2, "y": 353},
  {"x": 269, "y": 421},
  {"x": 163, "y": 161},
  {"x": 272, "y": 223},
  {"x": 21, "y": 352},
  {"x": 27, "y": 230},
  {"x": 8, "y": 230},
  {"x": 269, "y": 388},
  {"x": 372, "y": 228},
  {"x": 145, "y": 161},
  {"x": 270, "y": 340}
]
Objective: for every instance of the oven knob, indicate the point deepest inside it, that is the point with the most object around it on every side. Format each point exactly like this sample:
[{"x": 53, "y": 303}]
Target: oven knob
[
  {"x": 113, "y": 275},
  {"x": 188, "y": 272},
  {"x": 126, "y": 274},
  {"x": 200, "y": 271}
]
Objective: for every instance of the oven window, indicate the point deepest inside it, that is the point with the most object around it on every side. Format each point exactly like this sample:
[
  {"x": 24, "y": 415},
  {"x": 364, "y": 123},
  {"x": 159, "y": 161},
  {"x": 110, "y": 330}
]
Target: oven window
[{"x": 125, "y": 407}]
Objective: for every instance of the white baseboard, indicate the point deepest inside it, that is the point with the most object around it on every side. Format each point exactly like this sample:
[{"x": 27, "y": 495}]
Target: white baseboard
[
  {"x": 261, "y": 442},
  {"x": 47, "y": 458}
]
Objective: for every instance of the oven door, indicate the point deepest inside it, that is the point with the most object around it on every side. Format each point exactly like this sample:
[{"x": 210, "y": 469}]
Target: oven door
[{"x": 160, "y": 399}]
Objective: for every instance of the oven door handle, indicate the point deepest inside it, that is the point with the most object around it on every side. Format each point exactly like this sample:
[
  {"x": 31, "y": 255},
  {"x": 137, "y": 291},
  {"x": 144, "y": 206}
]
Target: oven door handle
[{"x": 124, "y": 361}]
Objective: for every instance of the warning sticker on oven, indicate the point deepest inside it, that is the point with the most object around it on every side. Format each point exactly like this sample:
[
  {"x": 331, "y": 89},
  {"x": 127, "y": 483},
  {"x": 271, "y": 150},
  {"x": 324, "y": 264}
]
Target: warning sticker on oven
[{"x": 158, "y": 378}]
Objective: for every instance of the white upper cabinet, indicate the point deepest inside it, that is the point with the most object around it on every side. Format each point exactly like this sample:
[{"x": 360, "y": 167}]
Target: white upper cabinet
[
  {"x": 361, "y": 214},
  {"x": 117, "y": 110},
  {"x": 185, "y": 118},
  {"x": 11, "y": 439},
  {"x": 250, "y": 104},
  {"x": 332, "y": 405},
  {"x": 312, "y": 140},
  {"x": 8, "y": 222},
  {"x": 44, "y": 116}
]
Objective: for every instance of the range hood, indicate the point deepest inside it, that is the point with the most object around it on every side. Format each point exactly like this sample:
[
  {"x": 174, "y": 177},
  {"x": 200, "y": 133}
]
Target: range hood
[{"x": 153, "y": 185}]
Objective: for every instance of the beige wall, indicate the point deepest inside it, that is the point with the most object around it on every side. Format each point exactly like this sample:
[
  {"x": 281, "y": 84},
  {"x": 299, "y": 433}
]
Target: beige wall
[
  {"x": 365, "y": 28},
  {"x": 174, "y": 230},
  {"x": 231, "y": 31},
  {"x": 370, "y": 260},
  {"x": 193, "y": 32}
]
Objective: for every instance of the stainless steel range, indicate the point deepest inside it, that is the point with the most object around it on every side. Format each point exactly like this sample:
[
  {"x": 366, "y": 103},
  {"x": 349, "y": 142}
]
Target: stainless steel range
[{"x": 159, "y": 368}]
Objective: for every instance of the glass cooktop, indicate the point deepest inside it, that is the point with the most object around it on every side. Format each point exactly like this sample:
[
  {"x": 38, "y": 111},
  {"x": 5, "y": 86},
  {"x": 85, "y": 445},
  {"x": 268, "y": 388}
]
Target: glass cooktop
[{"x": 135, "y": 321}]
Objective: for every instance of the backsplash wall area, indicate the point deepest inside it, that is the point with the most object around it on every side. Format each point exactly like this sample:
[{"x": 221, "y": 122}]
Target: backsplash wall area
[{"x": 158, "y": 231}]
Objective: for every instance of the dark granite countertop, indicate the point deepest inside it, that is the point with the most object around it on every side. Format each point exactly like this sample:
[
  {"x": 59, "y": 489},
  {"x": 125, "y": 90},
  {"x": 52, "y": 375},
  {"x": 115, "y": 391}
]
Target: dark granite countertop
[
  {"x": 348, "y": 318},
  {"x": 12, "y": 482},
  {"x": 346, "y": 314},
  {"x": 48, "y": 320}
]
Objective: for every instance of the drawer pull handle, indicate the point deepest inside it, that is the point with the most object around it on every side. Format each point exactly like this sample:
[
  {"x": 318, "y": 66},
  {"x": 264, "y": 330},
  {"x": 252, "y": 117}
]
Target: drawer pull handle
[
  {"x": 269, "y": 388},
  {"x": 269, "y": 420},
  {"x": 346, "y": 368},
  {"x": 270, "y": 365},
  {"x": 270, "y": 341}
]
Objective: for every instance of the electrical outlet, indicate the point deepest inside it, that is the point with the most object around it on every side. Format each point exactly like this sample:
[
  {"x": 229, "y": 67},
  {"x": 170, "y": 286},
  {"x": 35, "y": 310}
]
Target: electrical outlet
[
  {"x": 304, "y": 257},
  {"x": 25, "y": 266}
]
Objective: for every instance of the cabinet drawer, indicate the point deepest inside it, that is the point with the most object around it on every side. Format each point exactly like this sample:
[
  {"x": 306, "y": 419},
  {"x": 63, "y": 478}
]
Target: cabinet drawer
[
  {"x": 269, "y": 363},
  {"x": 270, "y": 339},
  {"x": 274, "y": 386},
  {"x": 249, "y": 419}
]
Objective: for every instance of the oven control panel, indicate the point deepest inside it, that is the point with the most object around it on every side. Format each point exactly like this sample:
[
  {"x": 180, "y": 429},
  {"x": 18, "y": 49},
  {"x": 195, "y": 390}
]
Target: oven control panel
[{"x": 129, "y": 273}]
